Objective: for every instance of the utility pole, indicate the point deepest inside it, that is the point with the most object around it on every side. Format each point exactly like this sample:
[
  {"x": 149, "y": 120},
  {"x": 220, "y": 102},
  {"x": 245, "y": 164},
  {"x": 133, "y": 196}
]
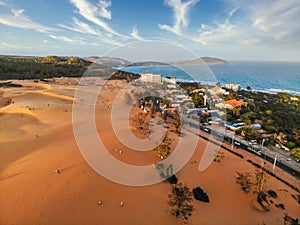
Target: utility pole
[
  {"x": 274, "y": 164},
  {"x": 262, "y": 143}
]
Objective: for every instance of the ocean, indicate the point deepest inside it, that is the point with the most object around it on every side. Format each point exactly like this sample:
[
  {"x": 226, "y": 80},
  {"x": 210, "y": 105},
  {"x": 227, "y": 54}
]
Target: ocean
[{"x": 271, "y": 77}]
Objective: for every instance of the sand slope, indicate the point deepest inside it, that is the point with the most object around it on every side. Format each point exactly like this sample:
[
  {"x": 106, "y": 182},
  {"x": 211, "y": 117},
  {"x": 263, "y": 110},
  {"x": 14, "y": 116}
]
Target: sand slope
[{"x": 36, "y": 141}]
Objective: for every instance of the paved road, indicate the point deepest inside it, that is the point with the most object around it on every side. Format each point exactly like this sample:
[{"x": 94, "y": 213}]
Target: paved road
[{"x": 269, "y": 154}]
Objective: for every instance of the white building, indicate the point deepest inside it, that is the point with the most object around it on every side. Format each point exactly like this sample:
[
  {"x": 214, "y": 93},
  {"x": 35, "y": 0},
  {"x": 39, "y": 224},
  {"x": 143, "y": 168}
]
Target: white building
[
  {"x": 234, "y": 87},
  {"x": 152, "y": 78}
]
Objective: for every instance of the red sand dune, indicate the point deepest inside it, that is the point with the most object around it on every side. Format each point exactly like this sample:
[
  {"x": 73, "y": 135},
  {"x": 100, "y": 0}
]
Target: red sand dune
[{"x": 34, "y": 144}]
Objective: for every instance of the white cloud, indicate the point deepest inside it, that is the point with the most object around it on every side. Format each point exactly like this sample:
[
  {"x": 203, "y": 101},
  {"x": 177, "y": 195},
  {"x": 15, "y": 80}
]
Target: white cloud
[
  {"x": 94, "y": 14},
  {"x": 135, "y": 34},
  {"x": 274, "y": 22},
  {"x": 180, "y": 10},
  {"x": 19, "y": 20},
  {"x": 64, "y": 38},
  {"x": 278, "y": 19},
  {"x": 231, "y": 13},
  {"x": 13, "y": 46},
  {"x": 2, "y": 3},
  {"x": 220, "y": 33},
  {"x": 103, "y": 9},
  {"x": 81, "y": 27}
]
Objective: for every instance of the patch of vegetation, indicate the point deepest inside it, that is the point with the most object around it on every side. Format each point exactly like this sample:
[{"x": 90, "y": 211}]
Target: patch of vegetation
[
  {"x": 278, "y": 114},
  {"x": 172, "y": 179},
  {"x": 280, "y": 206},
  {"x": 180, "y": 198},
  {"x": 244, "y": 180},
  {"x": 200, "y": 195},
  {"x": 219, "y": 156},
  {"x": 272, "y": 193},
  {"x": 295, "y": 153},
  {"x": 288, "y": 220},
  {"x": 163, "y": 149},
  {"x": 297, "y": 198},
  {"x": 14, "y": 67},
  {"x": 262, "y": 200}
]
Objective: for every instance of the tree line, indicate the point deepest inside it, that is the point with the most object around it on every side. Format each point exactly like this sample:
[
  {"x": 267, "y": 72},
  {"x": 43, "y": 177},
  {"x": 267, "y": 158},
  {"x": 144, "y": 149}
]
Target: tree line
[{"x": 17, "y": 67}]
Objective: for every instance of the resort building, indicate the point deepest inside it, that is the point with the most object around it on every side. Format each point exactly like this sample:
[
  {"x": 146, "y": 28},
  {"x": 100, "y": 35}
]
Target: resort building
[
  {"x": 152, "y": 78},
  {"x": 234, "y": 87}
]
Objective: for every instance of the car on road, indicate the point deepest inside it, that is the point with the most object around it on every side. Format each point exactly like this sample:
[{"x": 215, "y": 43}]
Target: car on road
[
  {"x": 258, "y": 153},
  {"x": 237, "y": 143},
  {"x": 253, "y": 142},
  {"x": 206, "y": 129}
]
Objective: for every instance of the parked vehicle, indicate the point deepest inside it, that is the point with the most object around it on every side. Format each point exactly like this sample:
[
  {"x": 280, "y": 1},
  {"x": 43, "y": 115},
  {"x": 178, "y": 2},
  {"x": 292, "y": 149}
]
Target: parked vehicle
[{"x": 253, "y": 142}]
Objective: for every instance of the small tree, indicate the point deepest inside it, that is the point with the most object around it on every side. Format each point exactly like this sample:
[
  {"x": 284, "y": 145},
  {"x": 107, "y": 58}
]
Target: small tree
[
  {"x": 260, "y": 185},
  {"x": 288, "y": 220},
  {"x": 219, "y": 156},
  {"x": 177, "y": 121},
  {"x": 244, "y": 180},
  {"x": 249, "y": 133},
  {"x": 261, "y": 179},
  {"x": 296, "y": 133},
  {"x": 180, "y": 199},
  {"x": 295, "y": 153},
  {"x": 163, "y": 149},
  {"x": 141, "y": 120}
]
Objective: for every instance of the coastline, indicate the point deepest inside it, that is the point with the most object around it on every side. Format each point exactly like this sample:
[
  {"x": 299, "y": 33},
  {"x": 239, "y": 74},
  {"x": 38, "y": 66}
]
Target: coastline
[{"x": 271, "y": 77}]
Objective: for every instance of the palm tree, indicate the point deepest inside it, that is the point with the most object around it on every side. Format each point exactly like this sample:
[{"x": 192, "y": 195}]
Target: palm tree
[{"x": 180, "y": 199}]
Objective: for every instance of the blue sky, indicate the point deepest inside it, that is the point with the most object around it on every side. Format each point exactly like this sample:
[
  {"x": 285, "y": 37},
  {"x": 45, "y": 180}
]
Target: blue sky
[{"x": 229, "y": 29}]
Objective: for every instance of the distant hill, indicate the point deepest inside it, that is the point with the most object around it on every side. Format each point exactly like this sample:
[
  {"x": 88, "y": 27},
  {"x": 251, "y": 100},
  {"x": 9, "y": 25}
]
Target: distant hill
[
  {"x": 36, "y": 67},
  {"x": 199, "y": 61},
  {"x": 207, "y": 60},
  {"x": 112, "y": 62}
]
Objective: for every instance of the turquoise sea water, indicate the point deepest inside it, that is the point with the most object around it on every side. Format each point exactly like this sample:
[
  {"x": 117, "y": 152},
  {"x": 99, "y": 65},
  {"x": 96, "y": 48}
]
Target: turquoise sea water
[{"x": 270, "y": 77}]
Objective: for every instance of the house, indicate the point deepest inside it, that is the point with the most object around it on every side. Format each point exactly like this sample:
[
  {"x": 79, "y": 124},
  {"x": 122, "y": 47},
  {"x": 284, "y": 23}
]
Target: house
[
  {"x": 197, "y": 91},
  {"x": 172, "y": 87},
  {"x": 293, "y": 98},
  {"x": 217, "y": 91},
  {"x": 215, "y": 99},
  {"x": 231, "y": 104},
  {"x": 171, "y": 80}
]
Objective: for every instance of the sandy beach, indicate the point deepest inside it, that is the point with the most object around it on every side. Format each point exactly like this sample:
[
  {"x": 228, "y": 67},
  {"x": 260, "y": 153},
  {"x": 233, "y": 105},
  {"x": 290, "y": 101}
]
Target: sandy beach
[{"x": 36, "y": 138}]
